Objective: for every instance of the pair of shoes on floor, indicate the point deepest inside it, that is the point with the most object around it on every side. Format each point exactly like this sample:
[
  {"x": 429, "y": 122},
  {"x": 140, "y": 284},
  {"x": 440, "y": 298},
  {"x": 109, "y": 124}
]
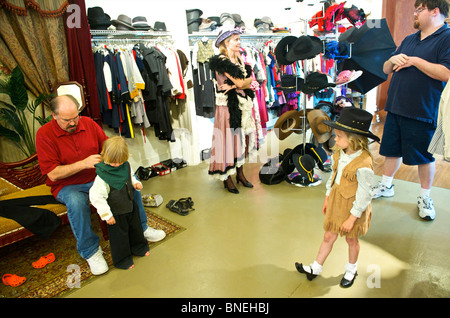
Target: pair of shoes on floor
[
  {"x": 424, "y": 203},
  {"x": 181, "y": 206},
  {"x": 15, "y": 280},
  {"x": 345, "y": 283}
]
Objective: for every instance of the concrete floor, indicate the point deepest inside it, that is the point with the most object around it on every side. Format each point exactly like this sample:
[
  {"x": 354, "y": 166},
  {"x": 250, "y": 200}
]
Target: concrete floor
[{"x": 245, "y": 245}]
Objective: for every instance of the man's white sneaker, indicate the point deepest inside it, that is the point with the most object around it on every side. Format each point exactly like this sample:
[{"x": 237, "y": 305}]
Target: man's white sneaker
[
  {"x": 97, "y": 263},
  {"x": 153, "y": 235},
  {"x": 380, "y": 190},
  {"x": 426, "y": 208}
]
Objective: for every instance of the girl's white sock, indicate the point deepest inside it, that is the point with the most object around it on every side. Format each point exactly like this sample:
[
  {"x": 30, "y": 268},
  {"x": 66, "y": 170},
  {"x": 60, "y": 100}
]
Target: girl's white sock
[
  {"x": 350, "y": 270},
  {"x": 314, "y": 268}
]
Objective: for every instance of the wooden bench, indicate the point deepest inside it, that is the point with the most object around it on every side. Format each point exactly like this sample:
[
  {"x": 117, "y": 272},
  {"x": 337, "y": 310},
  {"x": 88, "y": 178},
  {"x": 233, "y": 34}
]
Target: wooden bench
[{"x": 24, "y": 179}]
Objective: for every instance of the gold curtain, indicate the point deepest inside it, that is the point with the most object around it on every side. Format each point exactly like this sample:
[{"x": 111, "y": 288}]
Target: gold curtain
[{"x": 32, "y": 36}]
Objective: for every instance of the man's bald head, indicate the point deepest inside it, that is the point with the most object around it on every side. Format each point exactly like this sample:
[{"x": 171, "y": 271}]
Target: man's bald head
[
  {"x": 64, "y": 103},
  {"x": 65, "y": 112}
]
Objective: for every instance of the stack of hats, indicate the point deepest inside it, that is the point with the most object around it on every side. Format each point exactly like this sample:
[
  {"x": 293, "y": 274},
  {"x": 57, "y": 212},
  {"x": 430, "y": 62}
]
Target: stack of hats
[
  {"x": 232, "y": 20},
  {"x": 263, "y": 25},
  {"x": 98, "y": 19},
  {"x": 194, "y": 19}
]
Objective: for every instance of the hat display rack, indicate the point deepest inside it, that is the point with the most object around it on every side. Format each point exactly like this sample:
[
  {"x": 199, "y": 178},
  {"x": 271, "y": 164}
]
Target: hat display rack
[{"x": 301, "y": 158}]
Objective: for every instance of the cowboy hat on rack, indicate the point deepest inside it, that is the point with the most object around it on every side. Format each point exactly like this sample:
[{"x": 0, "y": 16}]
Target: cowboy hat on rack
[
  {"x": 305, "y": 166},
  {"x": 290, "y": 84},
  {"x": 289, "y": 122},
  {"x": 316, "y": 119},
  {"x": 282, "y": 49},
  {"x": 304, "y": 47},
  {"x": 316, "y": 81}
]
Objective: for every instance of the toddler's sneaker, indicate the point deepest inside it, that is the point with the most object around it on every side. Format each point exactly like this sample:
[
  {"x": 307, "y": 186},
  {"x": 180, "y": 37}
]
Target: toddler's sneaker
[
  {"x": 380, "y": 190},
  {"x": 426, "y": 208}
]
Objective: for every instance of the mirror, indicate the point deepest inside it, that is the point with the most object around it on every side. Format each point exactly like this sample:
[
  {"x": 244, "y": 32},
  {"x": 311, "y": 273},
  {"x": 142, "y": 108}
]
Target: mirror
[{"x": 72, "y": 88}]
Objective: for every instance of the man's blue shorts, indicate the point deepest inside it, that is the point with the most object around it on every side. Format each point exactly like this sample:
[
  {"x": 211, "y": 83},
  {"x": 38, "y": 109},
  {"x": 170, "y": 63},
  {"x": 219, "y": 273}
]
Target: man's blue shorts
[{"x": 407, "y": 138}]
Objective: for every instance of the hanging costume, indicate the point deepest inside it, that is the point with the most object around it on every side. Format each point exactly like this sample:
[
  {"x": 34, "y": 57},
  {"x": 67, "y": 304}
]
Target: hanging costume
[{"x": 233, "y": 122}]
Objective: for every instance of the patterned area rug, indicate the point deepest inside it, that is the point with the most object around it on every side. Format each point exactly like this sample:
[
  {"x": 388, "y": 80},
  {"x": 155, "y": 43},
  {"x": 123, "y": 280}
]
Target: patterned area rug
[{"x": 68, "y": 270}]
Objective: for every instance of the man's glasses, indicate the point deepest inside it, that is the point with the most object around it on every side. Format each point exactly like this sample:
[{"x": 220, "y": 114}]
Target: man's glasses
[
  {"x": 75, "y": 119},
  {"x": 418, "y": 10}
]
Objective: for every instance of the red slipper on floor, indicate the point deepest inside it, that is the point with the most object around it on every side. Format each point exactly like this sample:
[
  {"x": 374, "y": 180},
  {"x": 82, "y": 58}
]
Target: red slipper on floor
[
  {"x": 13, "y": 280},
  {"x": 43, "y": 261}
]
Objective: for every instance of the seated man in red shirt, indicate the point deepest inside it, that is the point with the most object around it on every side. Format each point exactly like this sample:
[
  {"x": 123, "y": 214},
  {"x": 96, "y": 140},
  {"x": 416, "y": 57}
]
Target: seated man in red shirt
[{"x": 68, "y": 147}]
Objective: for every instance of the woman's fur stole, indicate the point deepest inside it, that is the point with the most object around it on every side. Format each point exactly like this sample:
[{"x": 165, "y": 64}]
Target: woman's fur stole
[{"x": 221, "y": 64}]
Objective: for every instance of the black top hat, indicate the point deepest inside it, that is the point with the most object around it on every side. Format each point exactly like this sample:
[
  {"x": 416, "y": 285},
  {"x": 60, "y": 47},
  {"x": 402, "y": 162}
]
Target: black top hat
[
  {"x": 97, "y": 18},
  {"x": 282, "y": 49},
  {"x": 354, "y": 120},
  {"x": 315, "y": 82},
  {"x": 305, "y": 47}
]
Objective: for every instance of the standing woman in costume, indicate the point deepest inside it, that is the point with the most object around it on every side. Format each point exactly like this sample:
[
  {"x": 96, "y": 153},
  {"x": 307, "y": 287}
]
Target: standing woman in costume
[{"x": 234, "y": 134}]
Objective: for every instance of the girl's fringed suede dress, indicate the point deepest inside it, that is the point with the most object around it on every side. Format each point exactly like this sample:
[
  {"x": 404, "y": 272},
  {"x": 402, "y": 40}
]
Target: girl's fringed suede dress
[{"x": 342, "y": 196}]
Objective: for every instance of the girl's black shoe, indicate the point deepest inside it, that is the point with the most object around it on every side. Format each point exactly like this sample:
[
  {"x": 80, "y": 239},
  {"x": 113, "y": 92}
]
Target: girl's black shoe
[
  {"x": 309, "y": 276},
  {"x": 345, "y": 283}
]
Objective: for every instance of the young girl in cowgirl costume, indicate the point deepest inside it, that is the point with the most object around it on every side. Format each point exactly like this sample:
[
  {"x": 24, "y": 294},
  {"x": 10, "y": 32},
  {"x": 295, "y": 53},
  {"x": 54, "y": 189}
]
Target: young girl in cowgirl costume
[{"x": 347, "y": 207}]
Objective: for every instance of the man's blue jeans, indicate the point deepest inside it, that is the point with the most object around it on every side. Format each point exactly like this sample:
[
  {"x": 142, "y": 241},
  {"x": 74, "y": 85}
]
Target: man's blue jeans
[{"x": 76, "y": 199}]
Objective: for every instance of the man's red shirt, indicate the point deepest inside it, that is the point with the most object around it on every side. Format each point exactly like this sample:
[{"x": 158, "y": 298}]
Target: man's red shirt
[{"x": 56, "y": 147}]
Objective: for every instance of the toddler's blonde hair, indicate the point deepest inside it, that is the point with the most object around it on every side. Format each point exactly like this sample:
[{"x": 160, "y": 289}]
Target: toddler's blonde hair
[{"x": 115, "y": 150}]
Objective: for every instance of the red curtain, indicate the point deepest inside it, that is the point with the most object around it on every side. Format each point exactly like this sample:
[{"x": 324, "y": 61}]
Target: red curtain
[{"x": 81, "y": 59}]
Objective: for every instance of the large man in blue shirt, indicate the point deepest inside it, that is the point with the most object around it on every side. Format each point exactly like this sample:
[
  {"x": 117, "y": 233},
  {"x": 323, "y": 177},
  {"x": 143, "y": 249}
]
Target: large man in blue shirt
[{"x": 421, "y": 68}]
